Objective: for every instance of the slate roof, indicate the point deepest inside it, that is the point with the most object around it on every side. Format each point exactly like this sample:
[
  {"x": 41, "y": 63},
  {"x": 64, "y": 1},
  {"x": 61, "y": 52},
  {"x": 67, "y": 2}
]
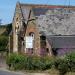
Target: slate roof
[
  {"x": 52, "y": 21},
  {"x": 61, "y": 41}
]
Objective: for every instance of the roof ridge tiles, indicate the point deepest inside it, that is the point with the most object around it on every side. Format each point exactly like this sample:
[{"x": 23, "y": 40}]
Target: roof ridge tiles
[{"x": 46, "y": 6}]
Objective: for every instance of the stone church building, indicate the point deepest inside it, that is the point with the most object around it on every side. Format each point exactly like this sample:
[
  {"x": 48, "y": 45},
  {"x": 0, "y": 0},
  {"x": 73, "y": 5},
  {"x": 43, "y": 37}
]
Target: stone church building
[{"x": 43, "y": 29}]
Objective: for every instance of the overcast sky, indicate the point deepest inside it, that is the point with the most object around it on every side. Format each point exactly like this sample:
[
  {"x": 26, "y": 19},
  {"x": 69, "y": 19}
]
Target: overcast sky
[{"x": 7, "y": 7}]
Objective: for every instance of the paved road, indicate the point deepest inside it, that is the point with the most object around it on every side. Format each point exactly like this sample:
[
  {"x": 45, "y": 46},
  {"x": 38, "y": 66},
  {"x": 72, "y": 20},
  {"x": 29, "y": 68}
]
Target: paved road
[
  {"x": 7, "y": 72},
  {"x": 2, "y": 72},
  {"x": 18, "y": 73}
]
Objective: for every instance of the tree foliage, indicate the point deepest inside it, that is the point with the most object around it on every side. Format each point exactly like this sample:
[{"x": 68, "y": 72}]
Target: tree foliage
[
  {"x": 4, "y": 37},
  {"x": 8, "y": 29},
  {"x": 3, "y": 43}
]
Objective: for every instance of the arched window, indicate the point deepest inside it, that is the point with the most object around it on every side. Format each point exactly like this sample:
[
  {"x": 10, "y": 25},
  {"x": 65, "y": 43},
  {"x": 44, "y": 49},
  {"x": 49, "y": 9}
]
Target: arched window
[
  {"x": 42, "y": 37},
  {"x": 43, "y": 40},
  {"x": 31, "y": 34}
]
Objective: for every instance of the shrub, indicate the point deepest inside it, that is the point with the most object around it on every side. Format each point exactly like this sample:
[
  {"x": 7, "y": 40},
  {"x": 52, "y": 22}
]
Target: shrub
[
  {"x": 10, "y": 60},
  {"x": 18, "y": 61},
  {"x": 61, "y": 65},
  {"x": 70, "y": 59},
  {"x": 67, "y": 64},
  {"x": 42, "y": 63},
  {"x": 48, "y": 62},
  {"x": 28, "y": 62},
  {"x": 36, "y": 63}
]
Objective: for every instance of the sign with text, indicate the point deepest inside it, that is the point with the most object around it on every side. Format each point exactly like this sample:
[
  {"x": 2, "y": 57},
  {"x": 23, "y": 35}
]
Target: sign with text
[{"x": 29, "y": 42}]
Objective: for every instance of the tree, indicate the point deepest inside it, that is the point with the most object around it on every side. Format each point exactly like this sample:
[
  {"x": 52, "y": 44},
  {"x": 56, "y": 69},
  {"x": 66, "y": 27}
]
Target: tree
[
  {"x": 8, "y": 29},
  {"x": 3, "y": 43}
]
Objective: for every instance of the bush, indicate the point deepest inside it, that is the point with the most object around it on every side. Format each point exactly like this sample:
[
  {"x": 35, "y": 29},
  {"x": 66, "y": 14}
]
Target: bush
[
  {"x": 67, "y": 64},
  {"x": 42, "y": 63},
  {"x": 70, "y": 59},
  {"x": 61, "y": 65},
  {"x": 10, "y": 60},
  {"x": 18, "y": 61},
  {"x": 48, "y": 62}
]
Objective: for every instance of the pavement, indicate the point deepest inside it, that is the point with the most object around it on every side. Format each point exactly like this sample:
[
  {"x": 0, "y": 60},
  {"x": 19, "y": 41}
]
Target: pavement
[{"x": 4, "y": 71}]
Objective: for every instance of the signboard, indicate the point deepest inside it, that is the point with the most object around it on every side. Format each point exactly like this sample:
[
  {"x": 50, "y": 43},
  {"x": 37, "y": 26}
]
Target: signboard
[{"x": 29, "y": 42}]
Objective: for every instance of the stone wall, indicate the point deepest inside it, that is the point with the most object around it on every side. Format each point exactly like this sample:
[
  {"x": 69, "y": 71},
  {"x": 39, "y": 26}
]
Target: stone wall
[
  {"x": 31, "y": 27},
  {"x": 16, "y": 25}
]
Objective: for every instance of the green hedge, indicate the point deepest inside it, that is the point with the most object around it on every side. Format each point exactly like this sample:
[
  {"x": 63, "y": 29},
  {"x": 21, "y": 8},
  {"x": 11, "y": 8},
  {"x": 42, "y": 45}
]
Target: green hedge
[
  {"x": 61, "y": 65},
  {"x": 70, "y": 60},
  {"x": 66, "y": 64},
  {"x": 18, "y": 61}
]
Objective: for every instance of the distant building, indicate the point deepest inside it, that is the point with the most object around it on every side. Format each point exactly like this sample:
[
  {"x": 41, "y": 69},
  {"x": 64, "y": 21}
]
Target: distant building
[{"x": 43, "y": 29}]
